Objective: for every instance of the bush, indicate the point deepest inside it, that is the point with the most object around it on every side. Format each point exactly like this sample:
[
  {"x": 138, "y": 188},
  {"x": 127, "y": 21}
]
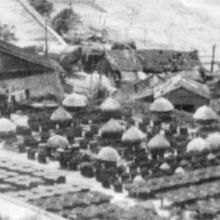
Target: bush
[
  {"x": 7, "y": 33},
  {"x": 44, "y": 7},
  {"x": 65, "y": 21}
]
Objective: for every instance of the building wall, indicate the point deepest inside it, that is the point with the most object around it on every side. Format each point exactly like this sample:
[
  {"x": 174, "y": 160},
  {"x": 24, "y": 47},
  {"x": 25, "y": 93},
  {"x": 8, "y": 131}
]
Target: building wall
[
  {"x": 183, "y": 97},
  {"x": 38, "y": 84}
]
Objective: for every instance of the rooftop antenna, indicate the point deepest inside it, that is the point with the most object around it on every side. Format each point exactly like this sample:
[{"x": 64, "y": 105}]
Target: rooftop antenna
[
  {"x": 46, "y": 38},
  {"x": 213, "y": 58}
]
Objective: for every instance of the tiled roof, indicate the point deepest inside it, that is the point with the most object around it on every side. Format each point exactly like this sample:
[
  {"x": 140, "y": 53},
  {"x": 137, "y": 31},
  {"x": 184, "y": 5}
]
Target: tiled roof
[
  {"x": 180, "y": 82},
  {"x": 12, "y": 50},
  {"x": 158, "y": 61}
]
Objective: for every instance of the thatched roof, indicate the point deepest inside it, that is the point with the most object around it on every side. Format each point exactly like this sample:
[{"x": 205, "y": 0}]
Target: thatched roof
[
  {"x": 165, "y": 166},
  {"x": 75, "y": 100},
  {"x": 205, "y": 113},
  {"x": 61, "y": 115},
  {"x": 197, "y": 145},
  {"x": 213, "y": 141},
  {"x": 158, "y": 142},
  {"x": 58, "y": 141},
  {"x": 180, "y": 170},
  {"x": 133, "y": 135},
  {"x": 161, "y": 105},
  {"x": 6, "y": 126},
  {"x": 108, "y": 154},
  {"x": 139, "y": 179},
  {"x": 110, "y": 105},
  {"x": 124, "y": 60},
  {"x": 112, "y": 126},
  {"x": 159, "y": 61}
]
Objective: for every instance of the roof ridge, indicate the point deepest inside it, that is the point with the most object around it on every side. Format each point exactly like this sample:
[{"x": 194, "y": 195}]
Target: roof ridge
[{"x": 178, "y": 82}]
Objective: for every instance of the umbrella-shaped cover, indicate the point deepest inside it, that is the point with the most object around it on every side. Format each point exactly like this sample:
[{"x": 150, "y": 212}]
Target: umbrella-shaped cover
[
  {"x": 161, "y": 105},
  {"x": 138, "y": 179},
  {"x": 213, "y": 141},
  {"x": 108, "y": 154},
  {"x": 158, "y": 142},
  {"x": 58, "y": 141},
  {"x": 75, "y": 100},
  {"x": 133, "y": 135},
  {"x": 180, "y": 170},
  {"x": 165, "y": 166},
  {"x": 6, "y": 126},
  {"x": 61, "y": 115},
  {"x": 197, "y": 145},
  {"x": 112, "y": 127},
  {"x": 110, "y": 105},
  {"x": 205, "y": 113}
]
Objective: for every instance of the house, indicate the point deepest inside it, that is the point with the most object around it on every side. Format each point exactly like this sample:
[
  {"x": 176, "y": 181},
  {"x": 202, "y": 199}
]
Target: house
[
  {"x": 24, "y": 74},
  {"x": 184, "y": 94},
  {"x": 120, "y": 65},
  {"x": 160, "y": 61}
]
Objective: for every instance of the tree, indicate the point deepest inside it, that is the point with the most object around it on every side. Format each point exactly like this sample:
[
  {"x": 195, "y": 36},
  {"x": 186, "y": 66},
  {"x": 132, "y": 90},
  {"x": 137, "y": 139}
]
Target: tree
[
  {"x": 7, "y": 33},
  {"x": 44, "y": 7},
  {"x": 65, "y": 21}
]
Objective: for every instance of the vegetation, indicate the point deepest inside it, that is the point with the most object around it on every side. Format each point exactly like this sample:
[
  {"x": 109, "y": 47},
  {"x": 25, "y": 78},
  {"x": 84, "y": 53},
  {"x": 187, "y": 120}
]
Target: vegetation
[
  {"x": 65, "y": 21},
  {"x": 7, "y": 33},
  {"x": 44, "y": 7}
]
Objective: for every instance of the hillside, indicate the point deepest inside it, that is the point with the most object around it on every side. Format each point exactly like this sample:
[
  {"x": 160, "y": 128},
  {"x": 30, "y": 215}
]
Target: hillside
[
  {"x": 29, "y": 26},
  {"x": 173, "y": 24}
]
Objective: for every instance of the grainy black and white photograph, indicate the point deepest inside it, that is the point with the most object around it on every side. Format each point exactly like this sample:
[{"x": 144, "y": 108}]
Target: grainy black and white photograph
[{"x": 110, "y": 110}]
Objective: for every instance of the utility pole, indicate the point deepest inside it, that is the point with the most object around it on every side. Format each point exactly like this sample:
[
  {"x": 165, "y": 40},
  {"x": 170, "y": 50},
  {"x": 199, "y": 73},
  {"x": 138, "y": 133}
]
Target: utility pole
[
  {"x": 126, "y": 33},
  {"x": 46, "y": 38},
  {"x": 145, "y": 36},
  {"x": 213, "y": 58}
]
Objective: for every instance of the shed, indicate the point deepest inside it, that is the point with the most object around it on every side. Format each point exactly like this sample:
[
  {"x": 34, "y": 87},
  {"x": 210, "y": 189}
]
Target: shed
[
  {"x": 120, "y": 65},
  {"x": 185, "y": 94},
  {"x": 25, "y": 74}
]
